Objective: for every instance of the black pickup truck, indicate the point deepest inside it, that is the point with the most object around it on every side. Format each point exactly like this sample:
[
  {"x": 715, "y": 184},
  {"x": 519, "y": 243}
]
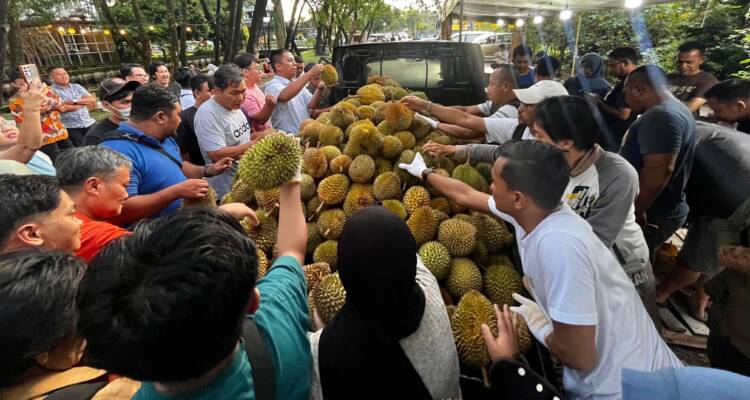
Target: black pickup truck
[{"x": 450, "y": 73}]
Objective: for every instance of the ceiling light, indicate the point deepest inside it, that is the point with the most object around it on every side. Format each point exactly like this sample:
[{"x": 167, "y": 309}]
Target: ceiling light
[
  {"x": 538, "y": 19},
  {"x": 633, "y": 3},
  {"x": 520, "y": 22},
  {"x": 566, "y": 14}
]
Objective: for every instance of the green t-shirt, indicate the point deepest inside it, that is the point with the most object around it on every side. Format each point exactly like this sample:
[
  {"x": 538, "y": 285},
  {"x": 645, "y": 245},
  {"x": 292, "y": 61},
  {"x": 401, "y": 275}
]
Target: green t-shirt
[{"x": 282, "y": 319}]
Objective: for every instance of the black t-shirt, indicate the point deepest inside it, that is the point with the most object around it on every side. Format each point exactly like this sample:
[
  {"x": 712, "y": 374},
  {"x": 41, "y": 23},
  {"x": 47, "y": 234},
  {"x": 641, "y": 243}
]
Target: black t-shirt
[
  {"x": 743, "y": 126},
  {"x": 685, "y": 88},
  {"x": 96, "y": 132},
  {"x": 718, "y": 181},
  {"x": 616, "y": 127},
  {"x": 186, "y": 138}
]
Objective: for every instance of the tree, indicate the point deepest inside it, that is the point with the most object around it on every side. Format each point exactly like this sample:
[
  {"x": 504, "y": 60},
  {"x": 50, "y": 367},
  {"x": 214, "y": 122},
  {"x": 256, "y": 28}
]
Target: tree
[
  {"x": 183, "y": 31},
  {"x": 4, "y": 28},
  {"x": 279, "y": 27},
  {"x": 172, "y": 28},
  {"x": 256, "y": 26}
]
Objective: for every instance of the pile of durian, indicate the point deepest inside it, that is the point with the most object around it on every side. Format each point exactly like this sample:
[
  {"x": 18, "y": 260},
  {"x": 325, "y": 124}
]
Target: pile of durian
[{"x": 349, "y": 159}]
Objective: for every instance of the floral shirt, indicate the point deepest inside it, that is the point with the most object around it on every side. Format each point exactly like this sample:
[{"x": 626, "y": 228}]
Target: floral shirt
[{"x": 52, "y": 126}]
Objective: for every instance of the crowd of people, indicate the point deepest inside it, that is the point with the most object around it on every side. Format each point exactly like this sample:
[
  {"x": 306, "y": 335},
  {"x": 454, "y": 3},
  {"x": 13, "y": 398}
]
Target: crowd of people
[{"x": 110, "y": 289}]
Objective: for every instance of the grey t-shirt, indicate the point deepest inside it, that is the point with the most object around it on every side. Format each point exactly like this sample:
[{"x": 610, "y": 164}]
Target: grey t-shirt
[
  {"x": 504, "y": 111},
  {"x": 216, "y": 128},
  {"x": 668, "y": 128}
]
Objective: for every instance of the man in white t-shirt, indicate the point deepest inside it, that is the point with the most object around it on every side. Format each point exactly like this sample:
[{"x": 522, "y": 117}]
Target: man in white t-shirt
[
  {"x": 221, "y": 127},
  {"x": 587, "y": 312},
  {"x": 293, "y": 101},
  {"x": 495, "y": 130}
]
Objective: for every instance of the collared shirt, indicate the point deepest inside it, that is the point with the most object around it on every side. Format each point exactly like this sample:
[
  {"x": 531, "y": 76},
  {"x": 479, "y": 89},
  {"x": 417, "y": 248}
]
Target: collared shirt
[
  {"x": 255, "y": 100},
  {"x": 52, "y": 126},
  {"x": 152, "y": 171},
  {"x": 187, "y": 99},
  {"x": 287, "y": 116},
  {"x": 79, "y": 118}
]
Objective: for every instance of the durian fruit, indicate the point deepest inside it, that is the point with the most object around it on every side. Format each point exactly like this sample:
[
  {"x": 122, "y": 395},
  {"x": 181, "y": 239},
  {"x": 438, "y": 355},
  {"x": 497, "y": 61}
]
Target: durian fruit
[
  {"x": 329, "y": 76},
  {"x": 415, "y": 197},
  {"x": 392, "y": 147},
  {"x": 398, "y": 114},
  {"x": 369, "y": 94},
  {"x": 357, "y": 125},
  {"x": 377, "y": 104},
  {"x": 382, "y": 165},
  {"x": 264, "y": 234},
  {"x": 340, "y": 164},
  {"x": 388, "y": 91},
  {"x": 493, "y": 233},
  {"x": 422, "y": 225},
  {"x": 311, "y": 132},
  {"x": 472, "y": 311},
  {"x": 330, "y": 223},
  {"x": 470, "y": 176},
  {"x": 342, "y": 117},
  {"x": 365, "y": 139},
  {"x": 479, "y": 254},
  {"x": 523, "y": 336},
  {"x": 332, "y": 190},
  {"x": 436, "y": 258},
  {"x": 314, "y": 274},
  {"x": 419, "y": 128},
  {"x": 463, "y": 276},
  {"x": 458, "y": 236},
  {"x": 242, "y": 192},
  {"x": 306, "y": 187},
  {"x": 441, "y": 203},
  {"x": 464, "y": 217},
  {"x": 387, "y": 186},
  {"x": 347, "y": 106},
  {"x": 315, "y": 162},
  {"x": 314, "y": 238},
  {"x": 439, "y": 162},
  {"x": 406, "y": 157},
  {"x": 407, "y": 139},
  {"x": 365, "y": 112},
  {"x": 499, "y": 259},
  {"x": 263, "y": 263},
  {"x": 353, "y": 102},
  {"x": 328, "y": 297},
  {"x": 271, "y": 162},
  {"x": 382, "y": 80},
  {"x": 267, "y": 199},
  {"x": 362, "y": 169},
  {"x": 421, "y": 95},
  {"x": 328, "y": 252},
  {"x": 359, "y": 196},
  {"x": 456, "y": 208},
  {"x": 484, "y": 169},
  {"x": 500, "y": 282},
  {"x": 385, "y": 127},
  {"x": 323, "y": 118},
  {"x": 450, "y": 309},
  {"x": 330, "y": 152},
  {"x": 209, "y": 200},
  {"x": 304, "y": 123},
  {"x": 440, "y": 216},
  {"x": 313, "y": 207},
  {"x": 227, "y": 199},
  {"x": 331, "y": 135},
  {"x": 396, "y": 207}
]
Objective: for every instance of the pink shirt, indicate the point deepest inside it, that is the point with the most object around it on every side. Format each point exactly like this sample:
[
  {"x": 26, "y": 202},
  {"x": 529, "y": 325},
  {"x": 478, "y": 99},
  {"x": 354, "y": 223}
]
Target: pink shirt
[{"x": 255, "y": 99}]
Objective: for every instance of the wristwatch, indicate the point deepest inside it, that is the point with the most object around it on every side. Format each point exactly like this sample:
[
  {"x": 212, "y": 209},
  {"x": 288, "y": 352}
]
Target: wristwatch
[{"x": 427, "y": 173}]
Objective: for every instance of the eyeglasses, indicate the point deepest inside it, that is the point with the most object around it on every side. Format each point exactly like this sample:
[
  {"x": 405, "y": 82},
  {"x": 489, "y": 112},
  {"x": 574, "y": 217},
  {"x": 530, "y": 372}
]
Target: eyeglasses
[{"x": 140, "y": 75}]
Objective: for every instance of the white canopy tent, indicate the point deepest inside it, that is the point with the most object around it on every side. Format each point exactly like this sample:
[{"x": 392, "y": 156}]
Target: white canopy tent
[{"x": 524, "y": 8}]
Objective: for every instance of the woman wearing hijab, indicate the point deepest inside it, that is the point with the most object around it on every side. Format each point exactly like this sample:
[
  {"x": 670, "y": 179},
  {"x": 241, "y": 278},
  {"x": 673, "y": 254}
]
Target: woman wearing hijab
[
  {"x": 589, "y": 77},
  {"x": 392, "y": 338}
]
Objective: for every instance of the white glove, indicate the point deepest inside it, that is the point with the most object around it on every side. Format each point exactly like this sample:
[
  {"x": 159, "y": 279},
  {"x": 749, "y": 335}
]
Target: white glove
[
  {"x": 429, "y": 121},
  {"x": 537, "y": 322},
  {"x": 416, "y": 167}
]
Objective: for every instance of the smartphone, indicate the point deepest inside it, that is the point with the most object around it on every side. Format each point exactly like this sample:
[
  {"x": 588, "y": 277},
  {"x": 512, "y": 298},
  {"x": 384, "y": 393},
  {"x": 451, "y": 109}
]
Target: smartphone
[{"x": 30, "y": 72}]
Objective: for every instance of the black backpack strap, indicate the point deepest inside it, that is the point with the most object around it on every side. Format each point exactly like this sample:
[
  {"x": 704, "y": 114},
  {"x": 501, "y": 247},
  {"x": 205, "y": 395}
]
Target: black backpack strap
[
  {"x": 80, "y": 391},
  {"x": 518, "y": 132},
  {"x": 264, "y": 377},
  {"x": 120, "y": 135}
]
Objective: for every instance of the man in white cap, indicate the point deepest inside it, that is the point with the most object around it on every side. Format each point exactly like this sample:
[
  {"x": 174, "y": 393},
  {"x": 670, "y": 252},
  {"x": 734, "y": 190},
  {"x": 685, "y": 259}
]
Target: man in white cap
[{"x": 496, "y": 130}]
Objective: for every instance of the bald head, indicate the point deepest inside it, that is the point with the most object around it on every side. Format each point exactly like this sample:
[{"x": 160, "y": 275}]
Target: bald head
[
  {"x": 502, "y": 82},
  {"x": 505, "y": 73}
]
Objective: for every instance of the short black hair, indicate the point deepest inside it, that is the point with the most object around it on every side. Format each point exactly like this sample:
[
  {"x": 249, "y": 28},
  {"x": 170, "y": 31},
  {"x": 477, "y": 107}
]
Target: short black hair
[
  {"x": 537, "y": 169},
  {"x": 181, "y": 287},
  {"x": 624, "y": 53},
  {"x": 182, "y": 76},
  {"x": 298, "y": 59},
  {"x": 149, "y": 100},
  {"x": 276, "y": 56},
  {"x": 197, "y": 82},
  {"x": 14, "y": 74},
  {"x": 569, "y": 118},
  {"x": 521, "y": 51},
  {"x": 308, "y": 67},
  {"x": 25, "y": 197},
  {"x": 38, "y": 291},
  {"x": 547, "y": 66},
  {"x": 692, "y": 45},
  {"x": 650, "y": 75},
  {"x": 119, "y": 95},
  {"x": 127, "y": 70},
  {"x": 153, "y": 66},
  {"x": 729, "y": 90},
  {"x": 245, "y": 60},
  {"x": 228, "y": 75},
  {"x": 53, "y": 67}
]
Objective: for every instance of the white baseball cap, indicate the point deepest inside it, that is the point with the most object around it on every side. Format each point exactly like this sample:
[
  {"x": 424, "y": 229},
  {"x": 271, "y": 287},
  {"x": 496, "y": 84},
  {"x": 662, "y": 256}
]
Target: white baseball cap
[{"x": 539, "y": 91}]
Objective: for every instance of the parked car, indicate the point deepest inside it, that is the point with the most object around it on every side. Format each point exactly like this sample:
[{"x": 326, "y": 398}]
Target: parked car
[
  {"x": 450, "y": 73},
  {"x": 468, "y": 36},
  {"x": 490, "y": 43}
]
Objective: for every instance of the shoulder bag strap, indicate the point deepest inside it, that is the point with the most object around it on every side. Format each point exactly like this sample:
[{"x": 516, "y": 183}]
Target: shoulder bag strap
[{"x": 264, "y": 379}]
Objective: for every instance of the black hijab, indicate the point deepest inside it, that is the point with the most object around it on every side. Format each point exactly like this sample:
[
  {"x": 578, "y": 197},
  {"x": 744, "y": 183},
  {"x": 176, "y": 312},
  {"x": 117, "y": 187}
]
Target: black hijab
[{"x": 359, "y": 352}]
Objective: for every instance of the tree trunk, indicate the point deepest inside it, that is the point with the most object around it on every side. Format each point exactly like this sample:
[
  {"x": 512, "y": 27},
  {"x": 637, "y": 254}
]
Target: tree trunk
[
  {"x": 279, "y": 27},
  {"x": 4, "y": 28},
  {"x": 15, "y": 44},
  {"x": 229, "y": 33},
  {"x": 115, "y": 28},
  {"x": 237, "y": 29},
  {"x": 172, "y": 27},
  {"x": 145, "y": 51},
  {"x": 256, "y": 26},
  {"x": 183, "y": 31},
  {"x": 290, "y": 30}
]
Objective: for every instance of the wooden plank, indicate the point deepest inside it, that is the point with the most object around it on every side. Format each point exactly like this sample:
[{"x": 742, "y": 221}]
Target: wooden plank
[
  {"x": 681, "y": 339},
  {"x": 670, "y": 322},
  {"x": 695, "y": 326}
]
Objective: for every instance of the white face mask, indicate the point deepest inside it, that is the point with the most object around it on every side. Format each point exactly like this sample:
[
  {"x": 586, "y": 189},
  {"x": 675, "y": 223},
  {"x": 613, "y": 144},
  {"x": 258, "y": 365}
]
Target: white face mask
[{"x": 122, "y": 113}]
